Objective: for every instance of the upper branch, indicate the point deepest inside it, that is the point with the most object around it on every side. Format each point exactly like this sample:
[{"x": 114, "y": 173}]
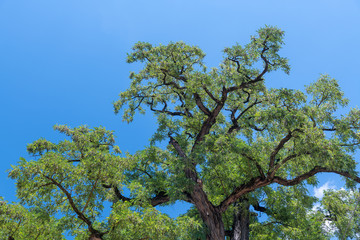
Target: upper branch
[
  {"x": 278, "y": 148},
  {"x": 201, "y": 105},
  {"x": 235, "y": 126},
  {"x": 210, "y": 121},
  {"x": 164, "y": 109},
  {"x": 260, "y": 76},
  {"x": 211, "y": 95}
]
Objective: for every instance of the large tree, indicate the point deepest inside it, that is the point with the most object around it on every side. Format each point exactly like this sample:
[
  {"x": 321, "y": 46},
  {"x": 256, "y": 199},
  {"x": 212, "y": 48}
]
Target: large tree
[{"x": 225, "y": 143}]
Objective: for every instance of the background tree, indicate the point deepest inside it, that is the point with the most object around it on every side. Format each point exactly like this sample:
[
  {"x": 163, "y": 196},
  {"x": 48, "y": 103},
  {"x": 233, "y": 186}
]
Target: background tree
[
  {"x": 229, "y": 138},
  {"x": 341, "y": 213}
]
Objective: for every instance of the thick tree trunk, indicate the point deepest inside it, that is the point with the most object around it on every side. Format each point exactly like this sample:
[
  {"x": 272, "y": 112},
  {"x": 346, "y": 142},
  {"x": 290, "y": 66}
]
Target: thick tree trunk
[
  {"x": 241, "y": 230},
  {"x": 209, "y": 214},
  {"x": 95, "y": 237},
  {"x": 215, "y": 226}
]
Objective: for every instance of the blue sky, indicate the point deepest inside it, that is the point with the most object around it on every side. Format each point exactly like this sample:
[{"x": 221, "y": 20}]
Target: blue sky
[{"x": 63, "y": 61}]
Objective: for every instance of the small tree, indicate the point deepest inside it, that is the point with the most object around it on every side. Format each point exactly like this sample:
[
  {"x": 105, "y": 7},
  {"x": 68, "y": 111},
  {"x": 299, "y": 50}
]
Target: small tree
[{"x": 229, "y": 138}]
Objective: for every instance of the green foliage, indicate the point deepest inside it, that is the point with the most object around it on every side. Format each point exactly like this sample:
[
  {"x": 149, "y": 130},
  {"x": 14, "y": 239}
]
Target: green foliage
[{"x": 22, "y": 224}]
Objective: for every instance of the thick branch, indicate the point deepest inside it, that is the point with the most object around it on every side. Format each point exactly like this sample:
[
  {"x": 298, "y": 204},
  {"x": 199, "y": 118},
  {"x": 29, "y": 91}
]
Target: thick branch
[
  {"x": 160, "y": 198},
  {"x": 250, "y": 186},
  {"x": 315, "y": 170},
  {"x": 210, "y": 121},
  {"x": 201, "y": 105},
  {"x": 258, "y": 182},
  {"x": 189, "y": 170}
]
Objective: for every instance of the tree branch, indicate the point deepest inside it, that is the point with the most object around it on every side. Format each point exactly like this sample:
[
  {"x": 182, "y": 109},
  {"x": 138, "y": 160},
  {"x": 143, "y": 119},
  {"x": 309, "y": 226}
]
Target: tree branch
[
  {"x": 210, "y": 94},
  {"x": 160, "y": 198},
  {"x": 164, "y": 109},
  {"x": 200, "y": 104},
  {"x": 190, "y": 172},
  {"x": 259, "y": 77},
  {"x": 250, "y": 186},
  {"x": 312, "y": 172},
  {"x": 73, "y": 206},
  {"x": 235, "y": 126},
  {"x": 210, "y": 121},
  {"x": 256, "y": 164},
  {"x": 259, "y": 208},
  {"x": 277, "y": 149}
]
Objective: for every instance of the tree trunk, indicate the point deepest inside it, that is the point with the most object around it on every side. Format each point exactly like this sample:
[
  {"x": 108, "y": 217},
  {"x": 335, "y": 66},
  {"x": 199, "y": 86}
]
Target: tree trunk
[
  {"x": 209, "y": 214},
  {"x": 215, "y": 226},
  {"x": 95, "y": 237},
  {"x": 241, "y": 230}
]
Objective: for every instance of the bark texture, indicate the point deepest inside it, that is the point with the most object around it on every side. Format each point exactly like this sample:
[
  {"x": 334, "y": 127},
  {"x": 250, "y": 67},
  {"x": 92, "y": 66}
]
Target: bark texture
[
  {"x": 95, "y": 237},
  {"x": 241, "y": 230}
]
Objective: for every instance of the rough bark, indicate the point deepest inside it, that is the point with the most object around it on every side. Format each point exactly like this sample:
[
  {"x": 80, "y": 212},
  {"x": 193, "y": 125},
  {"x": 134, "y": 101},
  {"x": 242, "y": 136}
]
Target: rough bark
[
  {"x": 241, "y": 230},
  {"x": 94, "y": 237},
  {"x": 209, "y": 214}
]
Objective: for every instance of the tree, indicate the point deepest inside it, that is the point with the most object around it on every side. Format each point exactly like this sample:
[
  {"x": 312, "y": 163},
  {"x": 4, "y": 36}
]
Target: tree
[
  {"x": 341, "y": 213},
  {"x": 228, "y": 139}
]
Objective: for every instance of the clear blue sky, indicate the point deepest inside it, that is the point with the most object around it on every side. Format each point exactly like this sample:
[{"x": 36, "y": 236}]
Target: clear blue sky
[{"x": 63, "y": 61}]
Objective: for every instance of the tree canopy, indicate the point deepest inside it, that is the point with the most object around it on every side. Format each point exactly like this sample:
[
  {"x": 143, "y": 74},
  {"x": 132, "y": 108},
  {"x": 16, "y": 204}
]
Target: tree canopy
[{"x": 225, "y": 142}]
